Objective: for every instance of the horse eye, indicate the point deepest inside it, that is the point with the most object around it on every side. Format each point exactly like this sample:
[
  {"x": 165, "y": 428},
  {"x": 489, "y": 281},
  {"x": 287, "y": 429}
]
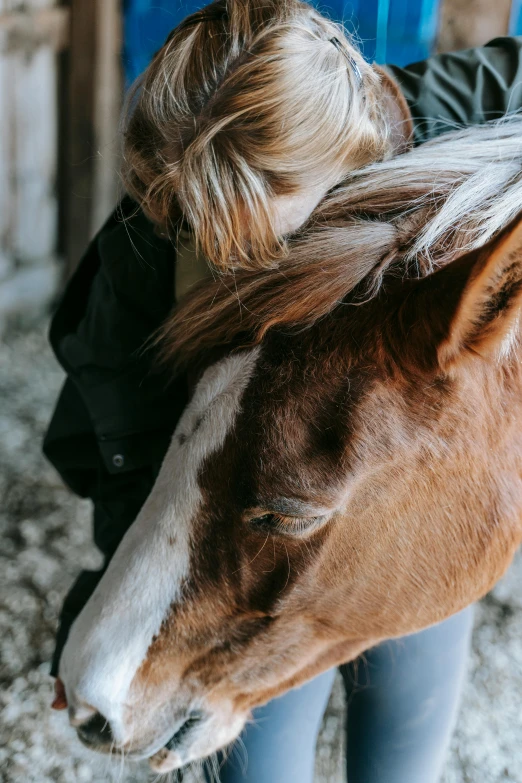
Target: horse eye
[
  {"x": 264, "y": 521},
  {"x": 287, "y": 526}
]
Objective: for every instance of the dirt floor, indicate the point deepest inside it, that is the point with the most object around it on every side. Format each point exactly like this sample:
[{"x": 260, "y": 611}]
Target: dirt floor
[{"x": 45, "y": 540}]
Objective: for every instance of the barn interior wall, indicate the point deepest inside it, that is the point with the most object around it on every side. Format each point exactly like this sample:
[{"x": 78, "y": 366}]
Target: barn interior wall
[
  {"x": 30, "y": 33},
  {"x": 60, "y": 99}
]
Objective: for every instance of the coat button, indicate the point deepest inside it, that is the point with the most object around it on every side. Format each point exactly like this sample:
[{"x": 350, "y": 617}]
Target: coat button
[{"x": 118, "y": 460}]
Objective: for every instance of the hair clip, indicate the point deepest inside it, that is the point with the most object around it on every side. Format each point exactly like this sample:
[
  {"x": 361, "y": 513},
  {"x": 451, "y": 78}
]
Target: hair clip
[{"x": 353, "y": 65}]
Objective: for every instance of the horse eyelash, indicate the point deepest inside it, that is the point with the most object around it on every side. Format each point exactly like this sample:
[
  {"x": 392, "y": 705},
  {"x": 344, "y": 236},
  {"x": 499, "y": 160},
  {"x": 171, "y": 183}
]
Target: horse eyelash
[{"x": 286, "y": 525}]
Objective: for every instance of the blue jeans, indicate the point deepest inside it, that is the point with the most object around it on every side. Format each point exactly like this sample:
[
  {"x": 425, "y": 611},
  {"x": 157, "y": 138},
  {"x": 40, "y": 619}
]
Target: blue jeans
[{"x": 402, "y": 698}]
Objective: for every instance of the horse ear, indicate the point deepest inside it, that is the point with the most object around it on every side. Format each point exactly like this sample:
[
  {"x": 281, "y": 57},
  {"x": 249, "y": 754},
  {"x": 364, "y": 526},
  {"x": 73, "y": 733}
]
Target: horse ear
[
  {"x": 489, "y": 305},
  {"x": 469, "y": 307}
]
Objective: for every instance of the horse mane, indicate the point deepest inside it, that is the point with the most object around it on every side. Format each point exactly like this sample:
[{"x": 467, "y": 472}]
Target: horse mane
[{"x": 408, "y": 215}]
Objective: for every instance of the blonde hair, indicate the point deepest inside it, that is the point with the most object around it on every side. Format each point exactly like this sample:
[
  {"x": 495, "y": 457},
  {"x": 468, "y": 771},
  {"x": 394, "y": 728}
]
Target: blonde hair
[
  {"x": 248, "y": 100},
  {"x": 403, "y": 217}
]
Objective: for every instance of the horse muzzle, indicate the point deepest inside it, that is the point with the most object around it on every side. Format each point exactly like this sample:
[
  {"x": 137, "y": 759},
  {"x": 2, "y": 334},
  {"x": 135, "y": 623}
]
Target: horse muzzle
[
  {"x": 169, "y": 739},
  {"x": 96, "y": 734}
]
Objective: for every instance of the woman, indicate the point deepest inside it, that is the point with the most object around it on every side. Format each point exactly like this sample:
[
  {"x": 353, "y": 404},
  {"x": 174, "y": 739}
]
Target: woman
[{"x": 248, "y": 115}]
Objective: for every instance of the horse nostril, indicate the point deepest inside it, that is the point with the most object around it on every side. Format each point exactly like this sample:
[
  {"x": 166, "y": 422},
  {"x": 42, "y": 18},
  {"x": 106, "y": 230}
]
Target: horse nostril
[{"x": 96, "y": 731}]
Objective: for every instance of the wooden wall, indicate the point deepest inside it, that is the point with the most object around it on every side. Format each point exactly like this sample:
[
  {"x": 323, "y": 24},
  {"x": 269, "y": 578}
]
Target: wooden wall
[
  {"x": 60, "y": 98},
  {"x": 465, "y": 23},
  {"x": 31, "y": 34}
]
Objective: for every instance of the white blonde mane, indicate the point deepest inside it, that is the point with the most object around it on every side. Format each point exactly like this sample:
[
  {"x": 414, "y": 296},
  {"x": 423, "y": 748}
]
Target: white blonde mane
[
  {"x": 413, "y": 213},
  {"x": 466, "y": 186}
]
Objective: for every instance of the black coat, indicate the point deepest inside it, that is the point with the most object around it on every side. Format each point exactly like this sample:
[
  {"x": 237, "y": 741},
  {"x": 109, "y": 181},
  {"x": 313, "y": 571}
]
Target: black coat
[{"x": 115, "y": 416}]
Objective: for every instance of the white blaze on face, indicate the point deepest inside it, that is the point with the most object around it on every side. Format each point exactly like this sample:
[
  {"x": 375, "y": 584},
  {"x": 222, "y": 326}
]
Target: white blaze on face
[{"x": 109, "y": 640}]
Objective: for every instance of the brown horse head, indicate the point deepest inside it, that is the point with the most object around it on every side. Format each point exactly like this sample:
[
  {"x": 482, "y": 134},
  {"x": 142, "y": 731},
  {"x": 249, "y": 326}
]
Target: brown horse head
[{"x": 328, "y": 489}]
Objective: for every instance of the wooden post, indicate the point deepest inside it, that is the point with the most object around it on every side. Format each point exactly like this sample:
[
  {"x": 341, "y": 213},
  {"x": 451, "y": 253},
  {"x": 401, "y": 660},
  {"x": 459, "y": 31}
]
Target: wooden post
[
  {"x": 91, "y": 94},
  {"x": 466, "y": 23},
  {"x": 79, "y": 142},
  {"x": 107, "y": 109}
]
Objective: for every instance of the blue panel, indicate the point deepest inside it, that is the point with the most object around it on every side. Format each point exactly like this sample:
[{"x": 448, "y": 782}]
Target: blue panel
[
  {"x": 381, "y": 32},
  {"x": 365, "y": 20},
  {"x": 515, "y": 27},
  {"x": 395, "y": 31},
  {"x": 412, "y": 28},
  {"x": 146, "y": 25}
]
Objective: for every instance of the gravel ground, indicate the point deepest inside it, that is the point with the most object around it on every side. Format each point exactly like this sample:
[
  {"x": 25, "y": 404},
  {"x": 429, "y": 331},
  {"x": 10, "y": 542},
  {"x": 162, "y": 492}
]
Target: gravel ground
[{"x": 45, "y": 540}]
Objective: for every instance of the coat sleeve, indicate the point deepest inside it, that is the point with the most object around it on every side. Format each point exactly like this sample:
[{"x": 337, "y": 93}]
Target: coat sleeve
[
  {"x": 116, "y": 412},
  {"x": 470, "y": 87}
]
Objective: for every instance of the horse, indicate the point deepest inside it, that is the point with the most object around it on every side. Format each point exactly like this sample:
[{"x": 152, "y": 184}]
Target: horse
[{"x": 348, "y": 469}]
